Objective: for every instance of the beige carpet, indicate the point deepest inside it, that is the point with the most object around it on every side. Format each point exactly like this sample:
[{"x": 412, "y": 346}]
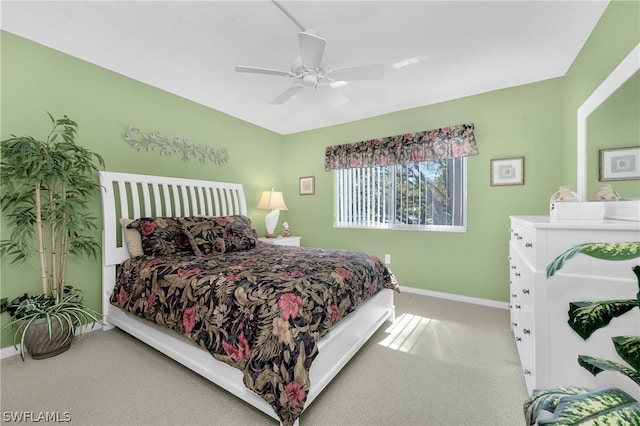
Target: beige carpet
[{"x": 441, "y": 363}]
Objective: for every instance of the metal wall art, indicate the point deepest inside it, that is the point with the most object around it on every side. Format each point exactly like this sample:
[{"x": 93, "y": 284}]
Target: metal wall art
[{"x": 165, "y": 145}]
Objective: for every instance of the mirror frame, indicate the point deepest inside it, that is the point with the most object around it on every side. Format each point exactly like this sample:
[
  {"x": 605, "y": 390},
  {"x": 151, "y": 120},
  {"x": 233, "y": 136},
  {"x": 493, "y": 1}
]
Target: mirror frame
[{"x": 629, "y": 66}]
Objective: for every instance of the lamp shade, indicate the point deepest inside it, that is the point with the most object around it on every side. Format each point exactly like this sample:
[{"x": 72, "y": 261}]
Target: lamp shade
[{"x": 272, "y": 200}]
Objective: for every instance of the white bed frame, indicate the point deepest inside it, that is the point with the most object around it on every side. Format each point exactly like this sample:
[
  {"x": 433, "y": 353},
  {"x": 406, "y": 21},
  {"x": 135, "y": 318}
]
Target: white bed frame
[{"x": 131, "y": 196}]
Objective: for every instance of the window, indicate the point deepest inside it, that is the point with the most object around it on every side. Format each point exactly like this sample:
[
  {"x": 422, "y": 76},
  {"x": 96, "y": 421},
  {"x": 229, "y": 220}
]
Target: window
[{"x": 429, "y": 195}]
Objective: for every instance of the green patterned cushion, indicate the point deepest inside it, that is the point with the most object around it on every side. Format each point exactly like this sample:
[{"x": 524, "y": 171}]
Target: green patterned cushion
[
  {"x": 161, "y": 236},
  {"x": 221, "y": 234}
]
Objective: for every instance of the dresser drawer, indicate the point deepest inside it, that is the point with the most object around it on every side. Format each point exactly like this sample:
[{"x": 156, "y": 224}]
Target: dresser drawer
[
  {"x": 525, "y": 342},
  {"x": 548, "y": 348},
  {"x": 523, "y": 240}
]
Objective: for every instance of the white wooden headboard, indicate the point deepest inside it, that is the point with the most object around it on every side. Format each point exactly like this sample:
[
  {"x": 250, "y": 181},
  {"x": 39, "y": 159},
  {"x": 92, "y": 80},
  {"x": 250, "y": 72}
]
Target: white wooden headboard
[{"x": 126, "y": 195}]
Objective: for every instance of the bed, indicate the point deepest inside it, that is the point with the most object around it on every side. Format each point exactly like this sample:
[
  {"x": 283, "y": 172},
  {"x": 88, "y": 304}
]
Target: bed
[{"x": 276, "y": 345}]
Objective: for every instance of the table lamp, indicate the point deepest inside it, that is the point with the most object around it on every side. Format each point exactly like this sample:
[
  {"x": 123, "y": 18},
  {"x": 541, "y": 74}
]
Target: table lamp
[{"x": 274, "y": 201}]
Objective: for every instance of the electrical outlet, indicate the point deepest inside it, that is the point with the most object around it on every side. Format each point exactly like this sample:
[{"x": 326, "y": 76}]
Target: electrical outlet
[{"x": 387, "y": 259}]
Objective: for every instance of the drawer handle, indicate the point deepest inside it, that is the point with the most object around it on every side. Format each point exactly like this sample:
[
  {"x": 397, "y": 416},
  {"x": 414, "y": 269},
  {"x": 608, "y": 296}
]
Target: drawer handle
[
  {"x": 514, "y": 324},
  {"x": 528, "y": 245},
  {"x": 518, "y": 307},
  {"x": 527, "y": 372},
  {"x": 517, "y": 274},
  {"x": 518, "y": 339},
  {"x": 514, "y": 295},
  {"x": 526, "y": 331},
  {"x": 525, "y": 291},
  {"x": 518, "y": 237},
  {"x": 514, "y": 267}
]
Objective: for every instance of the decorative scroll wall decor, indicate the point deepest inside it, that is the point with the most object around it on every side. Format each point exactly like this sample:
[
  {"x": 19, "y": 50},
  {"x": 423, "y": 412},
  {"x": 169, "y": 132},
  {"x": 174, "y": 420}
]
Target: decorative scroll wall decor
[
  {"x": 430, "y": 145},
  {"x": 166, "y": 145}
]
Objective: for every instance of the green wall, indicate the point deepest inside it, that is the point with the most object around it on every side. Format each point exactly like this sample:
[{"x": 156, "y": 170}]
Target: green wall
[
  {"x": 36, "y": 80},
  {"x": 536, "y": 121},
  {"x": 616, "y": 34},
  {"x": 614, "y": 124},
  {"x": 521, "y": 121}
]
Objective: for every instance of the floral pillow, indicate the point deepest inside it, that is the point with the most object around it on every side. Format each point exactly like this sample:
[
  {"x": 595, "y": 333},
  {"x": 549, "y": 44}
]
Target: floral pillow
[
  {"x": 222, "y": 234},
  {"x": 161, "y": 236}
]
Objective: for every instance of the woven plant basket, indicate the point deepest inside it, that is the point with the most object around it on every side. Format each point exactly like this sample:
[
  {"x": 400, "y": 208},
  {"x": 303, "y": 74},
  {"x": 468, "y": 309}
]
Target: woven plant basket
[{"x": 37, "y": 340}]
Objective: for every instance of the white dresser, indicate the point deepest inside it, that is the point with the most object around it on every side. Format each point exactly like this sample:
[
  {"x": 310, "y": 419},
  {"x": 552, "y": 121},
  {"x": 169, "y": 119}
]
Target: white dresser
[{"x": 548, "y": 347}]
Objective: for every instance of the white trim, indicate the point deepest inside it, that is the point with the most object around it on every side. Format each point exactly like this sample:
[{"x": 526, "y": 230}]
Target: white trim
[
  {"x": 9, "y": 351},
  {"x": 456, "y": 297},
  {"x": 629, "y": 66}
]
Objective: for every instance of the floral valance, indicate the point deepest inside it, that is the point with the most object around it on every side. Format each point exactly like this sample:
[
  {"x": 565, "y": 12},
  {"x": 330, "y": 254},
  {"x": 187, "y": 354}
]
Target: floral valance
[{"x": 429, "y": 145}]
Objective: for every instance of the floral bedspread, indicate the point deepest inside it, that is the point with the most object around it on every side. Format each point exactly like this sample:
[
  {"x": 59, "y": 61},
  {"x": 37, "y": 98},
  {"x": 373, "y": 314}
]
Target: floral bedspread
[{"x": 261, "y": 310}]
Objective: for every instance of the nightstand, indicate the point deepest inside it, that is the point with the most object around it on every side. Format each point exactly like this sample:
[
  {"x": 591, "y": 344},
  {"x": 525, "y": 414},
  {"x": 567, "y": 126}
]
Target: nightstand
[{"x": 282, "y": 241}]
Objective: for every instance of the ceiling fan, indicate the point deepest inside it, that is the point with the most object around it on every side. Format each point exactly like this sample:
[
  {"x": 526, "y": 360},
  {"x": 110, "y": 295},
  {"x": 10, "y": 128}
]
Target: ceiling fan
[{"x": 308, "y": 70}]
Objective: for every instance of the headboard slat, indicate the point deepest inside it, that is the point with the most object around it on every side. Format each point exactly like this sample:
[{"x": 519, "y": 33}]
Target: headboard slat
[
  {"x": 157, "y": 200},
  {"x": 134, "y": 198},
  {"x": 126, "y": 195},
  {"x": 201, "y": 201},
  {"x": 195, "y": 208},
  {"x": 146, "y": 199},
  {"x": 216, "y": 199},
  {"x": 167, "y": 202}
]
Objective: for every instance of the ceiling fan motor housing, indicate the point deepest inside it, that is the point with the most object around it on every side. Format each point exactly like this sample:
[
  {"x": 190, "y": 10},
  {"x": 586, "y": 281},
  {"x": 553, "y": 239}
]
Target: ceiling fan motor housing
[{"x": 309, "y": 77}]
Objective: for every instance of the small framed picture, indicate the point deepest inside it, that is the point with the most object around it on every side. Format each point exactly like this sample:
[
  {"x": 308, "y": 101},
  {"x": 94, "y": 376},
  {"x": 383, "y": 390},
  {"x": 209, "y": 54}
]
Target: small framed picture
[
  {"x": 620, "y": 163},
  {"x": 507, "y": 171},
  {"x": 307, "y": 185}
]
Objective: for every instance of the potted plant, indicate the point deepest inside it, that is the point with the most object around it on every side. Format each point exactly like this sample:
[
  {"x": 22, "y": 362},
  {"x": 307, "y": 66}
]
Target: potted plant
[
  {"x": 46, "y": 188},
  {"x": 608, "y": 406}
]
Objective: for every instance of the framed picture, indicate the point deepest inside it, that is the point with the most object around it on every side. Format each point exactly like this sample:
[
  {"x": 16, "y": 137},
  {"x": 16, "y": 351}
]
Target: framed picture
[
  {"x": 307, "y": 185},
  {"x": 620, "y": 163},
  {"x": 507, "y": 171}
]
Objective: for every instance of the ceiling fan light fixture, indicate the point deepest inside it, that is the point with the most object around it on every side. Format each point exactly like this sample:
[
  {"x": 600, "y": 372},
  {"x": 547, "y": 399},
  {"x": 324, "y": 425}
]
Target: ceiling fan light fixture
[{"x": 310, "y": 80}]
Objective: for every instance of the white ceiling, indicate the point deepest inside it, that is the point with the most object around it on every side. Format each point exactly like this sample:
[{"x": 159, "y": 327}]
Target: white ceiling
[{"x": 190, "y": 48}]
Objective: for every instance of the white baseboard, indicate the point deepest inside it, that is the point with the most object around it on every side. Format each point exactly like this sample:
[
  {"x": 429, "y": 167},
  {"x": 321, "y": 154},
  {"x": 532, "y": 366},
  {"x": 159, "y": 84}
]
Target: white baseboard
[
  {"x": 456, "y": 297},
  {"x": 10, "y": 351}
]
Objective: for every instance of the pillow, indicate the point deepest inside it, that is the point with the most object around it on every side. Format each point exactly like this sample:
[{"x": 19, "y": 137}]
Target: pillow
[
  {"x": 161, "y": 236},
  {"x": 201, "y": 231},
  {"x": 132, "y": 238},
  {"x": 221, "y": 234}
]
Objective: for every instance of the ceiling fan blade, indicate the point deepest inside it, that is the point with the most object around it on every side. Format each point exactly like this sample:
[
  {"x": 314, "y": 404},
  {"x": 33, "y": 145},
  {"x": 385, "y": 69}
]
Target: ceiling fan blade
[
  {"x": 362, "y": 72},
  {"x": 258, "y": 70},
  {"x": 286, "y": 95},
  {"x": 311, "y": 49},
  {"x": 331, "y": 95}
]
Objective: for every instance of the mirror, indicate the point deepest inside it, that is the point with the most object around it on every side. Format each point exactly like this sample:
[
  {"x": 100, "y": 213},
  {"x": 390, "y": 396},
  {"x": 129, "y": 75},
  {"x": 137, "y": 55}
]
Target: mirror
[
  {"x": 613, "y": 125},
  {"x": 622, "y": 75}
]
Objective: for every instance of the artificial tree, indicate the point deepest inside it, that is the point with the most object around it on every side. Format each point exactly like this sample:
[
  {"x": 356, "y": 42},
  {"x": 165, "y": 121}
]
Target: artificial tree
[{"x": 47, "y": 186}]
